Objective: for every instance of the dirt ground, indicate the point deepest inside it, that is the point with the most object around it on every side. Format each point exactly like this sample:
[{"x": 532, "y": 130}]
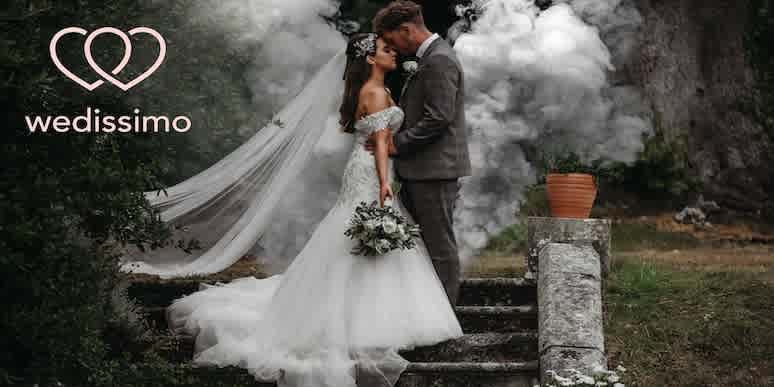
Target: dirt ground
[
  {"x": 738, "y": 230},
  {"x": 741, "y": 245}
]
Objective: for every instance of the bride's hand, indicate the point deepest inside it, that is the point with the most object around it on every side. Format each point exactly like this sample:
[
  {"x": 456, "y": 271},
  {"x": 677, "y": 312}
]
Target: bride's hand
[
  {"x": 369, "y": 145},
  {"x": 385, "y": 192}
]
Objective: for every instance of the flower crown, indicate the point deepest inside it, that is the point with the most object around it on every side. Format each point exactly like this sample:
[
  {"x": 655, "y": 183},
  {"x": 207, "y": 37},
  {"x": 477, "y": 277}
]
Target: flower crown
[{"x": 365, "y": 46}]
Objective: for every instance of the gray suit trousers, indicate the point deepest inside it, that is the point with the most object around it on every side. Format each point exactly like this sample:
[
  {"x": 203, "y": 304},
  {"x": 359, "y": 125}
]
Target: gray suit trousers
[{"x": 431, "y": 203}]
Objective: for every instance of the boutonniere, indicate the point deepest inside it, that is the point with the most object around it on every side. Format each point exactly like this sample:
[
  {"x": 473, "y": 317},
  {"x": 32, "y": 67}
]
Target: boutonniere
[{"x": 410, "y": 67}]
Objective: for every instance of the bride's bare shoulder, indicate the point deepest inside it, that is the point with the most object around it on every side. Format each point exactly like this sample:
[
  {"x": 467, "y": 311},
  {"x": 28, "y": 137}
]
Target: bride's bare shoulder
[{"x": 373, "y": 98}]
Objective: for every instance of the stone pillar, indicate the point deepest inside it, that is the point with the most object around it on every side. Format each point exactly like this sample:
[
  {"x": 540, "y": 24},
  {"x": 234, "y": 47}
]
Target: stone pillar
[
  {"x": 541, "y": 230},
  {"x": 569, "y": 258}
]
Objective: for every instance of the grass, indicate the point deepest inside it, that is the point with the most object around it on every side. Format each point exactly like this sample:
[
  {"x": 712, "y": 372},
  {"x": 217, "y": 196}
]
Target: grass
[
  {"x": 672, "y": 327},
  {"x": 496, "y": 266},
  {"x": 511, "y": 240}
]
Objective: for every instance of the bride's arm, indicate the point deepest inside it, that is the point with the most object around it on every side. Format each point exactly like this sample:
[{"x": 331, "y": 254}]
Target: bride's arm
[
  {"x": 381, "y": 136},
  {"x": 375, "y": 101},
  {"x": 381, "y": 154}
]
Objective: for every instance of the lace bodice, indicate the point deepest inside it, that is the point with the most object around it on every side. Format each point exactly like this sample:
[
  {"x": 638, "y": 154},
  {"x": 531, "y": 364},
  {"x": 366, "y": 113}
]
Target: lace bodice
[
  {"x": 360, "y": 181},
  {"x": 391, "y": 117}
]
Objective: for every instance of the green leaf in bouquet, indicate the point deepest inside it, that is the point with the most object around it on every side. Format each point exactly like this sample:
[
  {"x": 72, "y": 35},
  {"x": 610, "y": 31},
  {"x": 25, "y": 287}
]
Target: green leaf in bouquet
[{"x": 396, "y": 186}]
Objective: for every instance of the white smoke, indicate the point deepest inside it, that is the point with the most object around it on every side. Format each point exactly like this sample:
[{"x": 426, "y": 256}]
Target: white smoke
[
  {"x": 540, "y": 79},
  {"x": 534, "y": 79},
  {"x": 287, "y": 39}
]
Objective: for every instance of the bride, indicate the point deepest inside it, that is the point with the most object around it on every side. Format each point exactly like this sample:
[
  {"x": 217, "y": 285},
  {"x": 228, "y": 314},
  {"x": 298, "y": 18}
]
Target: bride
[{"x": 332, "y": 318}]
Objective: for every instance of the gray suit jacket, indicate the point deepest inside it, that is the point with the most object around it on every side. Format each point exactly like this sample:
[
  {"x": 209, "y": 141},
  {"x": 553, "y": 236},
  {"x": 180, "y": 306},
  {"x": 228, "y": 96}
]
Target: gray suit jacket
[{"x": 432, "y": 142}]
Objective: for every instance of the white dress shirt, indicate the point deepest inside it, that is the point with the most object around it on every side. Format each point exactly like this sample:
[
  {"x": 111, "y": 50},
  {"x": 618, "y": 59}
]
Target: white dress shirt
[{"x": 423, "y": 47}]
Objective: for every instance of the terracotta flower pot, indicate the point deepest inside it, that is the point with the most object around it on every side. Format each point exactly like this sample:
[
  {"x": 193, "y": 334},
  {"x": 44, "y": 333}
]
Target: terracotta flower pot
[{"x": 571, "y": 195}]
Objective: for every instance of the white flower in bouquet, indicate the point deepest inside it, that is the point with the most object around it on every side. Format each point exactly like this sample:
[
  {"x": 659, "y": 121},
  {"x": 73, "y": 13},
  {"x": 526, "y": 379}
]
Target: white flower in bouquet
[{"x": 389, "y": 226}]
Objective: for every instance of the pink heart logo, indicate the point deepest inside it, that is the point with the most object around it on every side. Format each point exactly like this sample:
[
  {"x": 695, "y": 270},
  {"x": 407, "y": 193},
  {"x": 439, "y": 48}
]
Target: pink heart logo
[{"x": 121, "y": 64}]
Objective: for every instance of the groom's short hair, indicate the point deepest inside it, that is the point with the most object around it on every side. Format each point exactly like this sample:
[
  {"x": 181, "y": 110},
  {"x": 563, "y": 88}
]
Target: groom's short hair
[{"x": 396, "y": 13}]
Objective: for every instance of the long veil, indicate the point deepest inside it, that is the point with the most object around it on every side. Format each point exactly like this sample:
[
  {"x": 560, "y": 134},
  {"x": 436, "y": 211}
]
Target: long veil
[{"x": 230, "y": 205}]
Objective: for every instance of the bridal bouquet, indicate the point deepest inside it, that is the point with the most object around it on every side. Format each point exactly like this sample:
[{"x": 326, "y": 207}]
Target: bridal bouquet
[{"x": 380, "y": 230}]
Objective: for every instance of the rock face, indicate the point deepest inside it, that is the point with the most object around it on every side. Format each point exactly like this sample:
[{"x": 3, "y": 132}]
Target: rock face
[{"x": 693, "y": 68}]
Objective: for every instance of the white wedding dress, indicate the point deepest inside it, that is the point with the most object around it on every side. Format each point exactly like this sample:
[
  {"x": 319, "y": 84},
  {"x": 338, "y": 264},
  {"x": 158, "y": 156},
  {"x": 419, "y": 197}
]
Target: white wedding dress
[{"x": 331, "y": 319}]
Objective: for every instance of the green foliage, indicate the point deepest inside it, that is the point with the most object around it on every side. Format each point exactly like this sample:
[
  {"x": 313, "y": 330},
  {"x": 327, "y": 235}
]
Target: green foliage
[
  {"x": 689, "y": 328},
  {"x": 511, "y": 240},
  {"x": 66, "y": 200},
  {"x": 662, "y": 169},
  {"x": 534, "y": 201},
  {"x": 566, "y": 160}
]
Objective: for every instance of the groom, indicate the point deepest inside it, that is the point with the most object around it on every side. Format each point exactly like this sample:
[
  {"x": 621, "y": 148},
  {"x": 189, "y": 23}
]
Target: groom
[{"x": 430, "y": 150}]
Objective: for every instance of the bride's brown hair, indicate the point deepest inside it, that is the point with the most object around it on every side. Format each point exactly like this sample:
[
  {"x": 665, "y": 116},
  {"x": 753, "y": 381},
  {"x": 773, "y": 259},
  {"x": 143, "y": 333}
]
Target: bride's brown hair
[{"x": 356, "y": 74}]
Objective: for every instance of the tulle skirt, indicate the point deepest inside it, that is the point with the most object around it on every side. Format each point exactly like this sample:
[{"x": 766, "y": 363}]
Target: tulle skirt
[{"x": 331, "y": 319}]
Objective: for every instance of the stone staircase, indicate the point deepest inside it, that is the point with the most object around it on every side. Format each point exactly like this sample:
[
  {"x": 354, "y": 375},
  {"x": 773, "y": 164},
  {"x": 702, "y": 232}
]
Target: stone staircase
[{"x": 499, "y": 348}]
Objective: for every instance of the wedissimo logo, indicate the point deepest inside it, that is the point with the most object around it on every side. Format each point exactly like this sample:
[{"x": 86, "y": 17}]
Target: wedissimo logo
[{"x": 93, "y": 121}]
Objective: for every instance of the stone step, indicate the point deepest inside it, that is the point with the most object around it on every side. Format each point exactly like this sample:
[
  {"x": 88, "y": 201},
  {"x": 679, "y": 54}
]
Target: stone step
[
  {"x": 475, "y": 347},
  {"x": 479, "y": 347},
  {"x": 473, "y": 291},
  {"x": 500, "y": 291},
  {"x": 482, "y": 319},
  {"x": 150, "y": 293},
  {"x": 473, "y": 319},
  {"x": 467, "y": 374}
]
